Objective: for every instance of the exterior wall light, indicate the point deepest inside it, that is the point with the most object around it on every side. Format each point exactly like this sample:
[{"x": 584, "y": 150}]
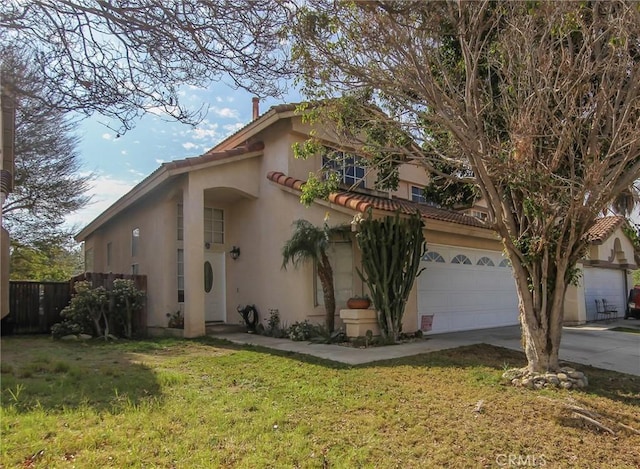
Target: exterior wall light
[{"x": 235, "y": 252}]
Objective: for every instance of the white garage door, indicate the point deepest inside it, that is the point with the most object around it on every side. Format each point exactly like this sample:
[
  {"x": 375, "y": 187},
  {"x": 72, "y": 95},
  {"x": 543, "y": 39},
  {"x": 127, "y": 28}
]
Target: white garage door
[
  {"x": 602, "y": 283},
  {"x": 466, "y": 289}
]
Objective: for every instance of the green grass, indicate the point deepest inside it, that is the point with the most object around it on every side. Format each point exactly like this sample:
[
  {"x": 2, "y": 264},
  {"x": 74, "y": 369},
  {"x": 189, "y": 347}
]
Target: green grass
[
  {"x": 632, "y": 330},
  {"x": 206, "y": 403}
]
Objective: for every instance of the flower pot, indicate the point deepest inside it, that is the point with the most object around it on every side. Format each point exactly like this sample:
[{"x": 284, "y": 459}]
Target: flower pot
[{"x": 358, "y": 303}]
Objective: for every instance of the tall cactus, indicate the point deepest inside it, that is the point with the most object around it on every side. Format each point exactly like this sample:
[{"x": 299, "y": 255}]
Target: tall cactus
[{"x": 391, "y": 250}]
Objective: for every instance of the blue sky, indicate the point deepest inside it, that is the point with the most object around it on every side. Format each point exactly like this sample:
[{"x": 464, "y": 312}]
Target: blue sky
[{"x": 120, "y": 163}]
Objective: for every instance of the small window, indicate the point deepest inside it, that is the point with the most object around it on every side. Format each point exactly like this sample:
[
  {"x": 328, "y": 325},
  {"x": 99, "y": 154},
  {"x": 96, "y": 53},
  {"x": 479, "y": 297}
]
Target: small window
[
  {"x": 213, "y": 226},
  {"x": 484, "y": 216},
  {"x": 485, "y": 261},
  {"x": 417, "y": 195},
  {"x": 180, "y": 222},
  {"x": 180, "y": 272},
  {"x": 135, "y": 241},
  {"x": 504, "y": 263},
  {"x": 432, "y": 256},
  {"x": 208, "y": 277},
  {"x": 134, "y": 269},
  {"x": 349, "y": 169},
  {"x": 88, "y": 260},
  {"x": 461, "y": 259},
  {"x": 109, "y": 254}
]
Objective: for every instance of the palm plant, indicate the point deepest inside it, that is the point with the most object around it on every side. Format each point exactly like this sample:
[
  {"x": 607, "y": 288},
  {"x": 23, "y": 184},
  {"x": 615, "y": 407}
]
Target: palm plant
[{"x": 310, "y": 243}]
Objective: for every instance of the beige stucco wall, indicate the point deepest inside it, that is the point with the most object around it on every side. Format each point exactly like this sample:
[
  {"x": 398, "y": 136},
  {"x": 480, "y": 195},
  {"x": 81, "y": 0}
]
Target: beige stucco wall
[{"x": 155, "y": 217}]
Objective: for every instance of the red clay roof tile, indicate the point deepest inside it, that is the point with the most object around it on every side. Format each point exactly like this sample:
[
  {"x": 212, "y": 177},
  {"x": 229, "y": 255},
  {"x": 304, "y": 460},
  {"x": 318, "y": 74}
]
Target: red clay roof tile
[
  {"x": 604, "y": 228},
  {"x": 362, "y": 202},
  {"x": 214, "y": 156}
]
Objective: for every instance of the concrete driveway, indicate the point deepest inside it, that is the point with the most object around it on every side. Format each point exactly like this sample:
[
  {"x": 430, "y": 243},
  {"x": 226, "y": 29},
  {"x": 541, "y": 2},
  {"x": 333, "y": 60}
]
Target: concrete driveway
[{"x": 594, "y": 345}]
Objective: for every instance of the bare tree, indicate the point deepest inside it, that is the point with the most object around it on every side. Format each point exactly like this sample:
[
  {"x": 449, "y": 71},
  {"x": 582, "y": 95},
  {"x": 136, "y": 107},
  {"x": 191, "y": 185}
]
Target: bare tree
[
  {"x": 122, "y": 58},
  {"x": 537, "y": 101}
]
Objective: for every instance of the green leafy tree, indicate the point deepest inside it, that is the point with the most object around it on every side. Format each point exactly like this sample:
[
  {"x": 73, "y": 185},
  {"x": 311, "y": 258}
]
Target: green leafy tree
[
  {"x": 49, "y": 184},
  {"x": 126, "y": 301},
  {"x": 540, "y": 101},
  {"x": 311, "y": 243},
  {"x": 391, "y": 251},
  {"x": 45, "y": 260}
]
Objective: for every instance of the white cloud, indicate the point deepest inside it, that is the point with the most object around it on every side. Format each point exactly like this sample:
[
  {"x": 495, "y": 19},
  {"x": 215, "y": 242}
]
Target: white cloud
[
  {"x": 124, "y": 152},
  {"x": 226, "y": 112},
  {"x": 189, "y": 145},
  {"x": 159, "y": 160},
  {"x": 107, "y": 136},
  {"x": 205, "y": 130},
  {"x": 231, "y": 128},
  {"x": 137, "y": 173}
]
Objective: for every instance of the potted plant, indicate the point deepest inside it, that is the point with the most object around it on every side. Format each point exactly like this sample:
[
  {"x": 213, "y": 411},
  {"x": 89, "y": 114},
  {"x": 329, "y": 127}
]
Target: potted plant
[{"x": 359, "y": 302}]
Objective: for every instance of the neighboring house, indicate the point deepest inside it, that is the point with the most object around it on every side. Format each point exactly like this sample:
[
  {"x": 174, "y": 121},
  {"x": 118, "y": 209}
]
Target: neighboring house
[
  {"x": 208, "y": 233},
  {"x": 7, "y": 143}
]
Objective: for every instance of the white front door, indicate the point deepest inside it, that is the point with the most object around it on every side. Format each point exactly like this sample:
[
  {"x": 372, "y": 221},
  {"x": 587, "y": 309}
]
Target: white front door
[{"x": 214, "y": 287}]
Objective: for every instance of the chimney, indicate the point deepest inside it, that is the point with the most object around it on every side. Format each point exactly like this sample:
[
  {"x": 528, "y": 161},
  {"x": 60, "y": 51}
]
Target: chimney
[{"x": 256, "y": 107}]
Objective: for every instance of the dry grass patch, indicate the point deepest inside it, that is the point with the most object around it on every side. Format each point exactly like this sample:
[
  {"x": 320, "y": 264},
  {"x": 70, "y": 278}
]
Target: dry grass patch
[{"x": 178, "y": 403}]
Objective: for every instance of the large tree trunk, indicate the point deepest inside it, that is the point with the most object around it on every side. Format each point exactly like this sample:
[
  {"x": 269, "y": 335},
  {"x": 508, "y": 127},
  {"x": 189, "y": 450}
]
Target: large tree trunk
[
  {"x": 325, "y": 272},
  {"x": 541, "y": 307}
]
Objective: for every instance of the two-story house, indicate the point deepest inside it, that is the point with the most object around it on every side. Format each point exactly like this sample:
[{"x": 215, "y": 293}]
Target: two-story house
[{"x": 208, "y": 232}]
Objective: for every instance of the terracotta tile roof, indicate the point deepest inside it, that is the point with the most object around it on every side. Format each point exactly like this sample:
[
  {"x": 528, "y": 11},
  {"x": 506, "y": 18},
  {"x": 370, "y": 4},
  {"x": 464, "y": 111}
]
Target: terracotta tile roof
[
  {"x": 362, "y": 202},
  {"x": 603, "y": 228},
  {"x": 213, "y": 156}
]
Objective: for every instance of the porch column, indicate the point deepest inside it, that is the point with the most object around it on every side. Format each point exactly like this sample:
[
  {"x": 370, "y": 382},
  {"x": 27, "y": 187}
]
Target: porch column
[
  {"x": 575, "y": 312},
  {"x": 193, "y": 206}
]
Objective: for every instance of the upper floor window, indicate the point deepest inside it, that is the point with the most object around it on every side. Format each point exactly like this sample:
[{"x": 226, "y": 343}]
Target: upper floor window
[
  {"x": 349, "y": 169},
  {"x": 484, "y": 216},
  {"x": 213, "y": 226},
  {"x": 417, "y": 195},
  {"x": 109, "y": 253},
  {"x": 135, "y": 241},
  {"x": 180, "y": 222},
  {"x": 88, "y": 260}
]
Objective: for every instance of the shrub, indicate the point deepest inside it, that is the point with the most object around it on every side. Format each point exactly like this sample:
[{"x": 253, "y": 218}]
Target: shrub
[
  {"x": 100, "y": 312},
  {"x": 300, "y": 331}
]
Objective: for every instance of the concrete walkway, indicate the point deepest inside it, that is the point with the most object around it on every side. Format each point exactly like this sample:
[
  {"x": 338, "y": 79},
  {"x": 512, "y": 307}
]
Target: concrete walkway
[{"x": 593, "y": 345}]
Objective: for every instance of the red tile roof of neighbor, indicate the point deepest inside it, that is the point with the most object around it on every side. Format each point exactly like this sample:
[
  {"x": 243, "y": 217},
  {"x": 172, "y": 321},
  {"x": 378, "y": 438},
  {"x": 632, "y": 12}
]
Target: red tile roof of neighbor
[
  {"x": 362, "y": 202},
  {"x": 604, "y": 228},
  {"x": 214, "y": 156}
]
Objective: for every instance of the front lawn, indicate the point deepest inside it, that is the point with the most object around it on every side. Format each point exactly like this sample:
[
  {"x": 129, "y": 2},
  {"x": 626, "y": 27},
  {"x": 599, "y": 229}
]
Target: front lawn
[{"x": 207, "y": 403}]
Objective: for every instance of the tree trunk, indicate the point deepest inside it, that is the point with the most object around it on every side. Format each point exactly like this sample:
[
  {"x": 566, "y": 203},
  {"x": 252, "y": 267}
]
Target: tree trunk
[
  {"x": 541, "y": 308},
  {"x": 325, "y": 272}
]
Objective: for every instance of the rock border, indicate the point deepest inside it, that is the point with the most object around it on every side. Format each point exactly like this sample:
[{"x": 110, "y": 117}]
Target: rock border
[{"x": 565, "y": 378}]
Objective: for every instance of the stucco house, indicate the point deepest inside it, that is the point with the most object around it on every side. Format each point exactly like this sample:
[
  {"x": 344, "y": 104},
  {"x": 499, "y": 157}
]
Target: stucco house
[{"x": 208, "y": 232}]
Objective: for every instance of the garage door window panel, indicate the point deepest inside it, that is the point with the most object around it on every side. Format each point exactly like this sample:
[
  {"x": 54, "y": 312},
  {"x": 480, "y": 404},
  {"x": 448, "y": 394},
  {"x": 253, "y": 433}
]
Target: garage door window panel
[{"x": 461, "y": 259}]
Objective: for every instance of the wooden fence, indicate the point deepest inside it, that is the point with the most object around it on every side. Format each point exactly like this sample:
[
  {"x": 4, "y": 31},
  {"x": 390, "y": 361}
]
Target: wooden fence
[{"x": 35, "y": 306}]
